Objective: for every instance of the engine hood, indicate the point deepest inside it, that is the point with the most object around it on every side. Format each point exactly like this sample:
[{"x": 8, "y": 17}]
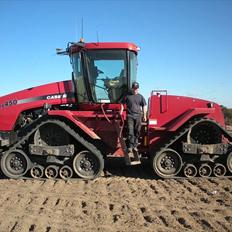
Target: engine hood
[
  {"x": 166, "y": 110},
  {"x": 12, "y": 105},
  {"x": 53, "y": 93}
]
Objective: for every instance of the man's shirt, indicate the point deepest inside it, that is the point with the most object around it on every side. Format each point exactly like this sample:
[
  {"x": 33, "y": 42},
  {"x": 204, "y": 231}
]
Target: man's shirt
[{"x": 134, "y": 103}]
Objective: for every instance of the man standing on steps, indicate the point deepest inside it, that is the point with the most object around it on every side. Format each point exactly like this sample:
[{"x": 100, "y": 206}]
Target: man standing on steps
[{"x": 136, "y": 111}]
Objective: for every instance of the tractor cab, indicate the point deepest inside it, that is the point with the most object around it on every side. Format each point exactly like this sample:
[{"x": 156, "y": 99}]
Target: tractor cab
[
  {"x": 102, "y": 75},
  {"x": 102, "y": 72}
]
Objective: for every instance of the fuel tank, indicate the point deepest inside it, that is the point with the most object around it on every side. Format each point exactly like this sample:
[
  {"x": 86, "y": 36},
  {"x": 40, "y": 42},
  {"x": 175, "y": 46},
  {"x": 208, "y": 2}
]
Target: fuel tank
[{"x": 13, "y": 104}]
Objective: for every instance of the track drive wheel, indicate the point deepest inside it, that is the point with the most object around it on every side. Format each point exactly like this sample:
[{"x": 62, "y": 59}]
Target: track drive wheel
[
  {"x": 66, "y": 172},
  {"x": 15, "y": 164},
  {"x": 51, "y": 171},
  {"x": 205, "y": 132},
  {"x": 37, "y": 171},
  {"x": 88, "y": 165},
  {"x": 167, "y": 163},
  {"x": 52, "y": 135},
  {"x": 205, "y": 170},
  {"x": 219, "y": 170},
  {"x": 229, "y": 162},
  {"x": 190, "y": 170}
]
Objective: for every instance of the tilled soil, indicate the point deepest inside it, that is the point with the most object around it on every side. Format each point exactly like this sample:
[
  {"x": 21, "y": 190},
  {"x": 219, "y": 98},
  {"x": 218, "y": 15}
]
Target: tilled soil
[{"x": 117, "y": 202}]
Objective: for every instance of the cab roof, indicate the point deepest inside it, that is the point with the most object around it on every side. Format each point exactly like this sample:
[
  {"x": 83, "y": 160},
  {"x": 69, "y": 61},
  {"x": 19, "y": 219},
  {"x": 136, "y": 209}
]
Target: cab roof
[{"x": 104, "y": 45}]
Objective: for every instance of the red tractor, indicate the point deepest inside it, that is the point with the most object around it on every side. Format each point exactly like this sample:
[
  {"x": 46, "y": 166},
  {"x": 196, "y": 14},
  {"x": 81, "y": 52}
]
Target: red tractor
[{"x": 70, "y": 128}]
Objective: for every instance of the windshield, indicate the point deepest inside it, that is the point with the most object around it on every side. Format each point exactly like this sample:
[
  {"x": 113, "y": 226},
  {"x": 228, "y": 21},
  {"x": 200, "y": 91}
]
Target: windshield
[
  {"x": 104, "y": 77},
  {"x": 107, "y": 71}
]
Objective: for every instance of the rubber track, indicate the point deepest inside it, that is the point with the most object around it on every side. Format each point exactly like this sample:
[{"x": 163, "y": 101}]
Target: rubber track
[
  {"x": 186, "y": 129},
  {"x": 189, "y": 127},
  {"x": 38, "y": 123}
]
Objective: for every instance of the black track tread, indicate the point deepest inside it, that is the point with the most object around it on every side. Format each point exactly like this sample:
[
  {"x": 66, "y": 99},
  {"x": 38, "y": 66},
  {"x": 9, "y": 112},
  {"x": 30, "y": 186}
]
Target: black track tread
[
  {"x": 188, "y": 126},
  {"x": 27, "y": 132}
]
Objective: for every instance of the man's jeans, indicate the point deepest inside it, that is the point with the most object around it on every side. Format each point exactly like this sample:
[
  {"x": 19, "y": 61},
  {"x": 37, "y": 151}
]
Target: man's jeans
[{"x": 134, "y": 127}]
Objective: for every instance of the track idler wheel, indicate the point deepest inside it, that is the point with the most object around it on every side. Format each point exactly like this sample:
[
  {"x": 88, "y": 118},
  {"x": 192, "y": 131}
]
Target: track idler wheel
[
  {"x": 229, "y": 162},
  {"x": 190, "y": 171},
  {"x": 88, "y": 165},
  {"x": 167, "y": 163},
  {"x": 37, "y": 171},
  {"x": 219, "y": 170},
  {"x": 15, "y": 164},
  {"x": 51, "y": 171},
  {"x": 66, "y": 172},
  {"x": 205, "y": 170}
]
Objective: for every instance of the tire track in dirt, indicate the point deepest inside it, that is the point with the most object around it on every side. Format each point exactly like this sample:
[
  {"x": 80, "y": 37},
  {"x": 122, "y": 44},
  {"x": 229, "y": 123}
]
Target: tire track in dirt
[
  {"x": 116, "y": 204},
  {"x": 207, "y": 196},
  {"x": 173, "y": 216},
  {"x": 142, "y": 190}
]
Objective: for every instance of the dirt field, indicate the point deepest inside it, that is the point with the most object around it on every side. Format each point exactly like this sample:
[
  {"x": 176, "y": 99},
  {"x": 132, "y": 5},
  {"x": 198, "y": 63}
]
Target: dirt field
[{"x": 125, "y": 200}]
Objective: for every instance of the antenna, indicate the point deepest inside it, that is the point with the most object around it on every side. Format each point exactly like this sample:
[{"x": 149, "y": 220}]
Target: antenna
[
  {"x": 97, "y": 38},
  {"x": 82, "y": 30}
]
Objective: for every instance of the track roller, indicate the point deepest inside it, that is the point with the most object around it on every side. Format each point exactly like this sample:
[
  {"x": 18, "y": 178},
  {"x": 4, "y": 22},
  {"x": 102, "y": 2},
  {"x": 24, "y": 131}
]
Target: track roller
[
  {"x": 15, "y": 164},
  {"x": 190, "y": 171},
  {"x": 229, "y": 162},
  {"x": 66, "y": 172},
  {"x": 88, "y": 165},
  {"x": 51, "y": 171},
  {"x": 167, "y": 163},
  {"x": 37, "y": 171},
  {"x": 219, "y": 170},
  {"x": 205, "y": 170}
]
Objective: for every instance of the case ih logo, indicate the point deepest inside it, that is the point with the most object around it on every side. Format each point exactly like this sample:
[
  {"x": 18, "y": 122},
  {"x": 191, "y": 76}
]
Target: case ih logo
[
  {"x": 45, "y": 97},
  {"x": 57, "y": 96}
]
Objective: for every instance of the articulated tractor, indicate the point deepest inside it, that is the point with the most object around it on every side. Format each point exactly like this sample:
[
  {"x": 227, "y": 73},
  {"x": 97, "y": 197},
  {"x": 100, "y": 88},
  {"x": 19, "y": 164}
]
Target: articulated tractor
[{"x": 69, "y": 129}]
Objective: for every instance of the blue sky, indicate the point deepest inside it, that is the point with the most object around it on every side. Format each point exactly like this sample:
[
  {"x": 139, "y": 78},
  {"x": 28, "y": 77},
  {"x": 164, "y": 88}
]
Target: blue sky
[{"x": 186, "y": 46}]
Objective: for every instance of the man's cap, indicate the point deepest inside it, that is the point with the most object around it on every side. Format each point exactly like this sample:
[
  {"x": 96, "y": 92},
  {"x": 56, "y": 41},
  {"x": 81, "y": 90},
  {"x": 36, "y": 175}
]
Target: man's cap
[{"x": 135, "y": 85}]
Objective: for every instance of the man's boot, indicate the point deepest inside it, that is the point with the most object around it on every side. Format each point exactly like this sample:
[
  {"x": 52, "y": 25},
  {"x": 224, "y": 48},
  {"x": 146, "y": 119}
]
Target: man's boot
[
  {"x": 135, "y": 149},
  {"x": 130, "y": 152}
]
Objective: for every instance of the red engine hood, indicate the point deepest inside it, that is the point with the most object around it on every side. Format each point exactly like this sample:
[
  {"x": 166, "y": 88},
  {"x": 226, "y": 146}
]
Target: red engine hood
[
  {"x": 13, "y": 104},
  {"x": 57, "y": 93},
  {"x": 167, "y": 110}
]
